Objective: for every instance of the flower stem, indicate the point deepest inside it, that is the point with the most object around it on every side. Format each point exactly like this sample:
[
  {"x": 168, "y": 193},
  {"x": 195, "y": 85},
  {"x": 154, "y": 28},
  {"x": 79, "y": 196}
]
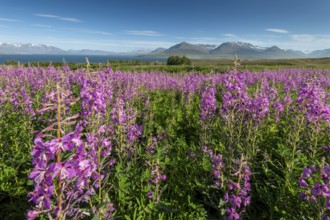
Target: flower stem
[{"x": 58, "y": 153}]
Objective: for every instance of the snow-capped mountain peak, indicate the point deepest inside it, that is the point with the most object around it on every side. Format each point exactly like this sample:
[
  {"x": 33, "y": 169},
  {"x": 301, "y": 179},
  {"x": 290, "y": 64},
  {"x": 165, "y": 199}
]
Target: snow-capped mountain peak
[{"x": 27, "y": 48}]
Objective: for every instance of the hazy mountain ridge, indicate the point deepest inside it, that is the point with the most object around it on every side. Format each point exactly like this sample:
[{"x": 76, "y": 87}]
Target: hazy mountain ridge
[
  {"x": 27, "y": 48},
  {"x": 225, "y": 50},
  {"x": 186, "y": 48},
  {"x": 320, "y": 53},
  {"x": 20, "y": 48},
  {"x": 230, "y": 49}
]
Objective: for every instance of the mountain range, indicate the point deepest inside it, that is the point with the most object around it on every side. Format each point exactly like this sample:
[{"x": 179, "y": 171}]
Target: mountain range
[
  {"x": 21, "y": 48},
  {"x": 225, "y": 50},
  {"x": 241, "y": 49}
]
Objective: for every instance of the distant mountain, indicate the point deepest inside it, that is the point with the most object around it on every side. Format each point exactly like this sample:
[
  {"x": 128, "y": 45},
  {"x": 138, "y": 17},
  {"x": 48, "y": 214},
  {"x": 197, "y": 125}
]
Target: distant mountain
[
  {"x": 204, "y": 51},
  {"x": 228, "y": 50},
  {"x": 185, "y": 48},
  {"x": 158, "y": 50},
  {"x": 275, "y": 52},
  {"x": 298, "y": 52},
  {"x": 320, "y": 53},
  {"x": 139, "y": 52},
  {"x": 208, "y": 46},
  {"x": 88, "y": 52},
  {"x": 240, "y": 49},
  {"x": 20, "y": 48}
]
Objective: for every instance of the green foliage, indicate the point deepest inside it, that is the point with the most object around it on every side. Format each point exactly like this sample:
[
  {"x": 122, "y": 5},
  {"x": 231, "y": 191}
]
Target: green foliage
[
  {"x": 277, "y": 150},
  {"x": 15, "y": 163},
  {"x": 177, "y": 60}
]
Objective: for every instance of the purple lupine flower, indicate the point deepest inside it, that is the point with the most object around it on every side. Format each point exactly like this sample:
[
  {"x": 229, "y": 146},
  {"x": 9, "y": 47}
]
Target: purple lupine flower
[
  {"x": 325, "y": 217},
  {"x": 279, "y": 108},
  {"x": 118, "y": 113},
  {"x": 287, "y": 100},
  {"x": 325, "y": 171},
  {"x": 258, "y": 107},
  {"x": 312, "y": 100},
  {"x": 65, "y": 170},
  {"x": 235, "y": 201},
  {"x": 2, "y": 96},
  {"x": 39, "y": 174},
  {"x": 149, "y": 194},
  {"x": 237, "y": 196},
  {"x": 232, "y": 214},
  {"x": 303, "y": 196},
  {"x": 93, "y": 98},
  {"x": 321, "y": 189},
  {"x": 156, "y": 176},
  {"x": 328, "y": 204},
  {"x": 27, "y": 102},
  {"x": 307, "y": 173},
  {"x": 303, "y": 183},
  {"x": 32, "y": 214},
  {"x": 217, "y": 164},
  {"x": 134, "y": 132},
  {"x": 204, "y": 149},
  {"x": 42, "y": 152},
  {"x": 108, "y": 210},
  {"x": 236, "y": 98},
  {"x": 63, "y": 144},
  {"x": 85, "y": 167},
  {"x": 150, "y": 149},
  {"x": 208, "y": 103}
]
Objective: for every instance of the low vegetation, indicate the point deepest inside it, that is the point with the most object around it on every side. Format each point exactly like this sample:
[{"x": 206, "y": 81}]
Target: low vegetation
[
  {"x": 177, "y": 60},
  {"x": 104, "y": 144}
]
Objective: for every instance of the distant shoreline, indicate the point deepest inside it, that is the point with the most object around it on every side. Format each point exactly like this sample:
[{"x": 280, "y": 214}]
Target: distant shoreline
[{"x": 25, "y": 58}]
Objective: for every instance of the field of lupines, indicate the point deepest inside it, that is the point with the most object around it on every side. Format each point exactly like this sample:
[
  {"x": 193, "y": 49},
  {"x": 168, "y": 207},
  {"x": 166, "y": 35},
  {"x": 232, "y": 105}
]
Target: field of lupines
[{"x": 88, "y": 144}]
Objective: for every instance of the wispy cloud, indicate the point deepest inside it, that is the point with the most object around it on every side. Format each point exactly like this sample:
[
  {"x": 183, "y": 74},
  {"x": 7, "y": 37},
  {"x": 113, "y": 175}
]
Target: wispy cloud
[
  {"x": 9, "y": 20},
  {"x": 276, "y": 30},
  {"x": 41, "y": 25},
  {"x": 58, "y": 17},
  {"x": 70, "y": 19},
  {"x": 229, "y": 35},
  {"x": 144, "y": 33},
  {"x": 90, "y": 31}
]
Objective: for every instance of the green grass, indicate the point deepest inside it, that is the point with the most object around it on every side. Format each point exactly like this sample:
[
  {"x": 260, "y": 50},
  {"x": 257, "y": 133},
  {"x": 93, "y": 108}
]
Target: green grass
[{"x": 200, "y": 66}]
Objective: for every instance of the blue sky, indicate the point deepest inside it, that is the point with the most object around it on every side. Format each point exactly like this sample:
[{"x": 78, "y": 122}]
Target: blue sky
[{"x": 130, "y": 25}]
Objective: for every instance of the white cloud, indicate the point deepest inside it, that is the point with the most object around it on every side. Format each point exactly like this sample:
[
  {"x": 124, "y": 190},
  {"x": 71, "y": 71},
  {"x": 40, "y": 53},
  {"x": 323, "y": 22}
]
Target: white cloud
[
  {"x": 70, "y": 19},
  {"x": 90, "y": 31},
  {"x": 41, "y": 25},
  {"x": 9, "y": 20},
  {"x": 144, "y": 33},
  {"x": 58, "y": 17},
  {"x": 228, "y": 35},
  {"x": 276, "y": 30},
  {"x": 46, "y": 16}
]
